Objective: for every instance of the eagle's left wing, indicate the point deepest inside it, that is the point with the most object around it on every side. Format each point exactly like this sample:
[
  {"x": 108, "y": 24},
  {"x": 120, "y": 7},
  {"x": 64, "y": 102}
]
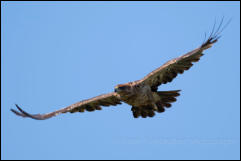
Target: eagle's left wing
[{"x": 89, "y": 105}]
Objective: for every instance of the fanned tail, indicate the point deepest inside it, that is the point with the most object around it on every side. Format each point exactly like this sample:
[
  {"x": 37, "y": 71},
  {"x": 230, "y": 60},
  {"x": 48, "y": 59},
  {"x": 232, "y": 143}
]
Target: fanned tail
[{"x": 166, "y": 98}]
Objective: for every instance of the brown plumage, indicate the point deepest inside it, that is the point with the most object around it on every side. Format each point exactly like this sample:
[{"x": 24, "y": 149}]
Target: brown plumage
[
  {"x": 88, "y": 105},
  {"x": 142, "y": 94}
]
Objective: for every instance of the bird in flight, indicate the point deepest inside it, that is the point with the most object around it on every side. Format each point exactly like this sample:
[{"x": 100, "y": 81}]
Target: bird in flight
[{"x": 143, "y": 94}]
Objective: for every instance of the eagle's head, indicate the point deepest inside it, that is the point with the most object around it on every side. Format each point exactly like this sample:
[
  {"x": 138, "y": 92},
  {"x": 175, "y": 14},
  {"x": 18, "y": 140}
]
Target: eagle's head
[{"x": 123, "y": 88}]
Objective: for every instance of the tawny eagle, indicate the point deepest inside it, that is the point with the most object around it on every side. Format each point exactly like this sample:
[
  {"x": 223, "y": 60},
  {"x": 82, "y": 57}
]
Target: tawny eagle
[{"x": 142, "y": 95}]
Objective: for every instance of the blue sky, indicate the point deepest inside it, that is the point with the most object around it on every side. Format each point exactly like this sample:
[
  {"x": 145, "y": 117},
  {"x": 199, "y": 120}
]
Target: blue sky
[{"x": 58, "y": 53}]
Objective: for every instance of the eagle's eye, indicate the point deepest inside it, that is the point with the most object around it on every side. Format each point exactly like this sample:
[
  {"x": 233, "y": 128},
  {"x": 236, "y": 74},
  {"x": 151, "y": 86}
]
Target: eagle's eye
[{"x": 122, "y": 88}]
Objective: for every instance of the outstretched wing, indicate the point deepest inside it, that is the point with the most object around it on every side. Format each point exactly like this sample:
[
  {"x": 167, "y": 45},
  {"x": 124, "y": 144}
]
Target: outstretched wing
[
  {"x": 168, "y": 71},
  {"x": 88, "y": 105}
]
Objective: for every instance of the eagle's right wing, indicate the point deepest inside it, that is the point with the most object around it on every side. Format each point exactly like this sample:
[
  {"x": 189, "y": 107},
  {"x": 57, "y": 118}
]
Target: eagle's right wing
[
  {"x": 89, "y": 105},
  {"x": 168, "y": 71}
]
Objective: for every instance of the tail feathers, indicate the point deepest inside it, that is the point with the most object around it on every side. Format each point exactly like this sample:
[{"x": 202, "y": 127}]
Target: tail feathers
[
  {"x": 169, "y": 93},
  {"x": 166, "y": 98}
]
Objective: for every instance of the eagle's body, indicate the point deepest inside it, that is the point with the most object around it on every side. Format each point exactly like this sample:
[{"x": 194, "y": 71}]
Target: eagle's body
[
  {"x": 143, "y": 99},
  {"x": 143, "y": 94},
  {"x": 136, "y": 94}
]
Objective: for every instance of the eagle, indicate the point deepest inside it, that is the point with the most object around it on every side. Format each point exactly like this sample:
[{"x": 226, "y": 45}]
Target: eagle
[{"x": 143, "y": 94}]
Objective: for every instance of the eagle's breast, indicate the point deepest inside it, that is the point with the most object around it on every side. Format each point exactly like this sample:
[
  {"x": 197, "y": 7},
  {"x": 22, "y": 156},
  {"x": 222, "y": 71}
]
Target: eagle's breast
[{"x": 139, "y": 95}]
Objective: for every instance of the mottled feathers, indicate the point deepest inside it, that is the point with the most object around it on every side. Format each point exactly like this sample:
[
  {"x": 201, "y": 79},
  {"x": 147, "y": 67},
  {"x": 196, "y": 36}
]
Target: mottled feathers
[
  {"x": 162, "y": 75},
  {"x": 92, "y": 104}
]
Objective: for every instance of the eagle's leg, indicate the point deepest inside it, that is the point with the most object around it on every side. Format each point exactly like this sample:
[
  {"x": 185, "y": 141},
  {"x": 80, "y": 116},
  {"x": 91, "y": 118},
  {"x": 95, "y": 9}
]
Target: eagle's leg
[
  {"x": 143, "y": 111},
  {"x": 136, "y": 111},
  {"x": 155, "y": 107}
]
